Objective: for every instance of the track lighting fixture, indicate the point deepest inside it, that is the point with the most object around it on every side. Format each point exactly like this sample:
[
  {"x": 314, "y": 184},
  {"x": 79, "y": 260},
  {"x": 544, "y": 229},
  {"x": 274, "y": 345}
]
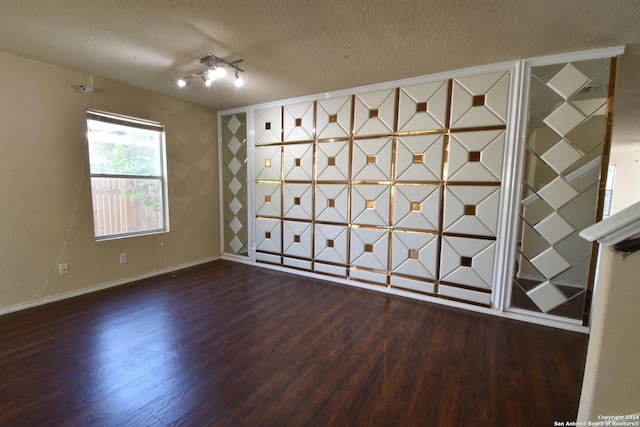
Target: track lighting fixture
[{"x": 215, "y": 68}]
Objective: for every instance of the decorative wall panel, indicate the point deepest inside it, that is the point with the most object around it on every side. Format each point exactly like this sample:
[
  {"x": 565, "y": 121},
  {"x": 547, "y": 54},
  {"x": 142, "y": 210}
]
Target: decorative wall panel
[
  {"x": 403, "y": 187},
  {"x": 566, "y": 131},
  {"x": 234, "y": 178}
]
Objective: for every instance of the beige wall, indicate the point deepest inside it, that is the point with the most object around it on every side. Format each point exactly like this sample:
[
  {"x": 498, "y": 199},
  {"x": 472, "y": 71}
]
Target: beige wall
[
  {"x": 46, "y": 213},
  {"x": 625, "y": 185},
  {"x": 611, "y": 384}
]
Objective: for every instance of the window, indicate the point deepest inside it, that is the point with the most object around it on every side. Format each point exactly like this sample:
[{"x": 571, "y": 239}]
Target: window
[
  {"x": 128, "y": 175},
  {"x": 608, "y": 190}
]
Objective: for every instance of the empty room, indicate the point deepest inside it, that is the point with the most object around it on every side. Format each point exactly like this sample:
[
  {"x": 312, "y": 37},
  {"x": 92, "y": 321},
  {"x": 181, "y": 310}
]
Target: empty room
[{"x": 337, "y": 213}]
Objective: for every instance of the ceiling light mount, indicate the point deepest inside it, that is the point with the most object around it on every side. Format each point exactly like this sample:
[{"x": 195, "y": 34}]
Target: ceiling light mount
[{"x": 215, "y": 68}]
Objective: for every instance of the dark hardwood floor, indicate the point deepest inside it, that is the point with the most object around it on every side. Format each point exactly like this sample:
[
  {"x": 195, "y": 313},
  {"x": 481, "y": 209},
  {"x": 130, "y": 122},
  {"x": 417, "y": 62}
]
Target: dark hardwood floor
[{"x": 227, "y": 344}]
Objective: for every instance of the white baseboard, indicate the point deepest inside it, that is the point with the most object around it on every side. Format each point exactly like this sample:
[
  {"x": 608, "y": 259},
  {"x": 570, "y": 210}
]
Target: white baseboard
[{"x": 102, "y": 286}]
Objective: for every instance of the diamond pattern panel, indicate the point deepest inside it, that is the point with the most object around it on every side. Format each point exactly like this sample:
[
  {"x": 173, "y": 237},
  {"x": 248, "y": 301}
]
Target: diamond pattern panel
[
  {"x": 298, "y": 201},
  {"x": 331, "y": 243},
  {"x": 267, "y": 162},
  {"x": 554, "y": 228},
  {"x": 480, "y": 100},
  {"x": 547, "y": 296},
  {"x": 423, "y": 107},
  {"x": 268, "y": 235},
  {"x": 419, "y": 158},
  {"x": 268, "y": 199},
  {"x": 298, "y": 122},
  {"x": 561, "y": 156},
  {"x": 488, "y": 167},
  {"x": 372, "y": 159},
  {"x": 458, "y": 251},
  {"x": 296, "y": 239},
  {"x": 332, "y": 203},
  {"x": 471, "y": 210},
  {"x": 333, "y": 117},
  {"x": 332, "y": 160},
  {"x": 370, "y": 204},
  {"x": 298, "y": 162},
  {"x": 417, "y": 207},
  {"x": 374, "y": 112},
  {"x": 268, "y": 125},
  {"x": 234, "y": 189},
  {"x": 369, "y": 248},
  {"x": 415, "y": 254}
]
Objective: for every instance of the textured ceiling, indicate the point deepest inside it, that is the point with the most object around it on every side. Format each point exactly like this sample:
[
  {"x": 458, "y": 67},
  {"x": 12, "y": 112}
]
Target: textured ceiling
[{"x": 299, "y": 47}]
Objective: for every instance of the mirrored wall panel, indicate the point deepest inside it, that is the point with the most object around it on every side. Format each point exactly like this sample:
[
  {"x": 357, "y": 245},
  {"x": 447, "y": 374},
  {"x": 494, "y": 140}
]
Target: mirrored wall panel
[
  {"x": 234, "y": 183},
  {"x": 566, "y": 142}
]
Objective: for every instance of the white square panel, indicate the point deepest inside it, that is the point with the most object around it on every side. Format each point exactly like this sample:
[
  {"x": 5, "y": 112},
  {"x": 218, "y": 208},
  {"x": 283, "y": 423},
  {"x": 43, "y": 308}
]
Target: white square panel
[
  {"x": 415, "y": 254},
  {"x": 547, "y": 296},
  {"x": 412, "y": 285},
  {"x": 332, "y": 203},
  {"x": 298, "y": 122},
  {"x": 568, "y": 81},
  {"x": 268, "y": 237},
  {"x": 423, "y": 107},
  {"x": 334, "y": 117},
  {"x": 332, "y": 161},
  {"x": 296, "y": 238},
  {"x": 298, "y": 201},
  {"x": 268, "y": 125},
  {"x": 550, "y": 263},
  {"x": 370, "y": 204},
  {"x": 331, "y": 243},
  {"x": 481, "y": 254},
  {"x": 417, "y": 207},
  {"x": 471, "y": 210},
  {"x": 488, "y": 145},
  {"x": 369, "y": 248},
  {"x": 268, "y": 197},
  {"x": 298, "y": 162},
  {"x": 480, "y": 100},
  {"x": 268, "y": 159},
  {"x": 374, "y": 112},
  {"x": 372, "y": 159},
  {"x": 557, "y": 193},
  {"x": 564, "y": 119},
  {"x": 554, "y": 228},
  {"x": 561, "y": 156},
  {"x": 419, "y": 158}
]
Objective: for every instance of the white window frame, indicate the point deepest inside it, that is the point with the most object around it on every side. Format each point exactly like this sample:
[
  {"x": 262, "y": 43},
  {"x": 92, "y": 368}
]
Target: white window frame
[{"x": 133, "y": 122}]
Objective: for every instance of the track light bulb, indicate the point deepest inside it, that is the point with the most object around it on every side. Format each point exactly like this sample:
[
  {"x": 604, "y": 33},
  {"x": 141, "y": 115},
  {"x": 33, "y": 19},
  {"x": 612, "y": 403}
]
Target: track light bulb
[
  {"x": 208, "y": 82},
  {"x": 239, "y": 82},
  {"x": 211, "y": 74},
  {"x": 182, "y": 83},
  {"x": 220, "y": 71}
]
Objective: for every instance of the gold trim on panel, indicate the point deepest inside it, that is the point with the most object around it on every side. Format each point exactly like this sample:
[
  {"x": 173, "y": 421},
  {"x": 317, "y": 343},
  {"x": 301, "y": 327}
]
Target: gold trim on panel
[
  {"x": 296, "y": 200},
  {"x": 331, "y": 203},
  {"x": 329, "y": 243},
  {"x": 373, "y": 113},
  {"x": 368, "y": 247},
  {"x": 414, "y": 254},
  {"x": 416, "y": 207},
  {"x": 474, "y": 156},
  {"x": 470, "y": 210},
  {"x": 267, "y": 199},
  {"x": 474, "y": 183},
  {"x": 267, "y": 125},
  {"x": 267, "y": 234},
  {"x": 333, "y": 118},
  {"x": 418, "y": 157},
  {"x": 477, "y": 101},
  {"x": 331, "y": 161},
  {"x": 298, "y": 122},
  {"x": 478, "y": 128},
  {"x": 421, "y": 107},
  {"x": 296, "y": 238},
  {"x": 267, "y": 163},
  {"x": 466, "y": 261},
  {"x": 370, "y": 204},
  {"x": 470, "y": 236},
  {"x": 298, "y": 162},
  {"x": 371, "y": 159}
]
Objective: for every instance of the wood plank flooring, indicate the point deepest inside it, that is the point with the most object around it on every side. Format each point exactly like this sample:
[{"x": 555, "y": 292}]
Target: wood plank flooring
[{"x": 226, "y": 344}]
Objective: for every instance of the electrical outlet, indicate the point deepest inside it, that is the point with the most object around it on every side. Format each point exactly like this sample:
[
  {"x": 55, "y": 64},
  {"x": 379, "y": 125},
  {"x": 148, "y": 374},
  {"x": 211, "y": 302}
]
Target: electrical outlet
[
  {"x": 123, "y": 258},
  {"x": 63, "y": 268}
]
